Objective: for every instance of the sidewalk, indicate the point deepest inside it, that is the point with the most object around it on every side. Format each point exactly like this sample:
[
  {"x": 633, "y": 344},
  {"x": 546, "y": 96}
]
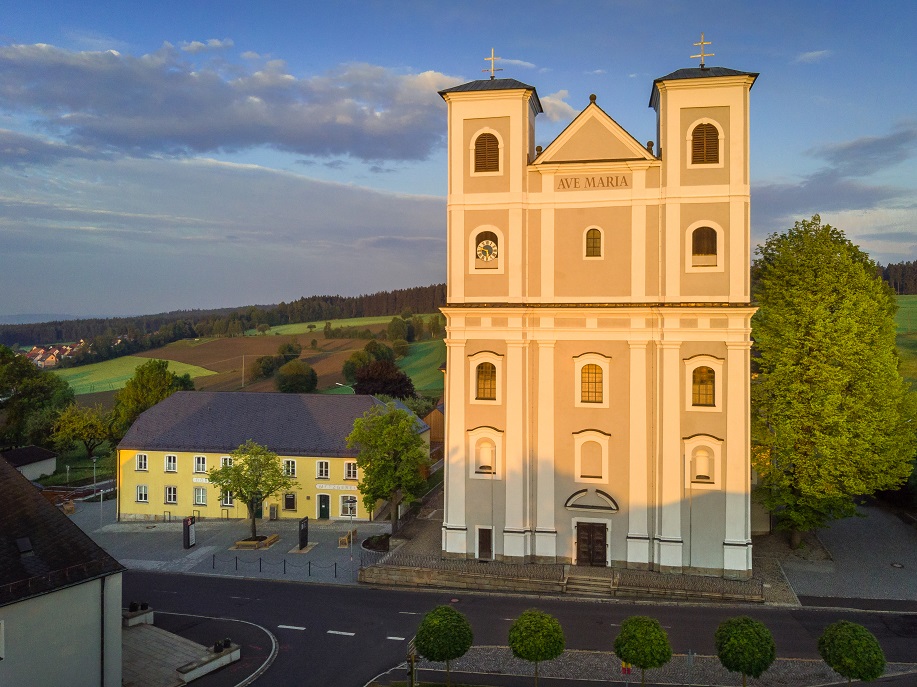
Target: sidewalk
[{"x": 157, "y": 546}]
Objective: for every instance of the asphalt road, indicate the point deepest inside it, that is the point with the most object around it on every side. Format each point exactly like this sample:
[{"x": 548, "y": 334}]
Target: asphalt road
[{"x": 344, "y": 636}]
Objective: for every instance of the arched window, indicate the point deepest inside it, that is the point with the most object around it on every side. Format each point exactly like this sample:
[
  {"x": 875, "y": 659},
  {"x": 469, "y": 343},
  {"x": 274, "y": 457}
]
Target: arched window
[
  {"x": 486, "y": 382},
  {"x": 591, "y": 460},
  {"x": 705, "y": 145},
  {"x": 703, "y": 247},
  {"x": 702, "y": 465},
  {"x": 487, "y": 153},
  {"x": 591, "y": 384},
  {"x": 485, "y": 457},
  {"x": 703, "y": 385},
  {"x": 594, "y": 243}
]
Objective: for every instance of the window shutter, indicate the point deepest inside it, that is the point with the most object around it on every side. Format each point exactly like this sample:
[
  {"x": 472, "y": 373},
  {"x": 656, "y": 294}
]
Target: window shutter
[
  {"x": 486, "y": 154},
  {"x": 705, "y": 145}
]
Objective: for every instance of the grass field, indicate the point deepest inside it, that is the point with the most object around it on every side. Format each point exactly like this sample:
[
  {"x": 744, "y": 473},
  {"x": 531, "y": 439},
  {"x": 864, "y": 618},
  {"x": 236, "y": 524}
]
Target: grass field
[
  {"x": 422, "y": 363},
  {"x": 303, "y": 327},
  {"x": 907, "y": 337},
  {"x": 113, "y": 374}
]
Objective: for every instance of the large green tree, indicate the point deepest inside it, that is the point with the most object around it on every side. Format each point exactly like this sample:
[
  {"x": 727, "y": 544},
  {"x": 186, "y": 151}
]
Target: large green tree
[
  {"x": 833, "y": 419},
  {"x": 383, "y": 377},
  {"x": 152, "y": 382},
  {"x": 253, "y": 474},
  {"x": 536, "y": 636},
  {"x": 87, "y": 425},
  {"x": 444, "y": 635},
  {"x": 745, "y": 646},
  {"x": 852, "y": 651},
  {"x": 31, "y": 400},
  {"x": 642, "y": 642},
  {"x": 296, "y": 377},
  {"x": 391, "y": 455}
]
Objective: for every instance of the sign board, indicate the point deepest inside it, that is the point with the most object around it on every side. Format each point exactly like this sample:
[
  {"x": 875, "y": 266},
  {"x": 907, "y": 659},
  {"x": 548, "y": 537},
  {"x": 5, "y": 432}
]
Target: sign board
[
  {"x": 188, "y": 531},
  {"x": 303, "y": 533},
  {"x": 626, "y": 668}
]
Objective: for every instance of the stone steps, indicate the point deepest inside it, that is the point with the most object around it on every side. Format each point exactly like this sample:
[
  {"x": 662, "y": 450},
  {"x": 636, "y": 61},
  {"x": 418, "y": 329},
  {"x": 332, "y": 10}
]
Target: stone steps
[{"x": 578, "y": 585}]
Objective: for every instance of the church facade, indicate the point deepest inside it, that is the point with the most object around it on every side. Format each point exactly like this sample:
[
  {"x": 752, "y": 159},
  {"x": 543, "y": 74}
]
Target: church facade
[{"x": 598, "y": 331}]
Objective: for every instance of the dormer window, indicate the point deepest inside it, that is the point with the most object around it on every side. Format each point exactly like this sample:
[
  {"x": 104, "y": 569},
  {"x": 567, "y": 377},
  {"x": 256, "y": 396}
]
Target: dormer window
[
  {"x": 486, "y": 153},
  {"x": 705, "y": 145}
]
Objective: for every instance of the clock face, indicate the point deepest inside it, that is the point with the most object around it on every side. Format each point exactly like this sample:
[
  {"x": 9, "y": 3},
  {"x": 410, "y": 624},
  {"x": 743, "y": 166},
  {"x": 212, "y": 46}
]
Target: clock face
[{"x": 487, "y": 250}]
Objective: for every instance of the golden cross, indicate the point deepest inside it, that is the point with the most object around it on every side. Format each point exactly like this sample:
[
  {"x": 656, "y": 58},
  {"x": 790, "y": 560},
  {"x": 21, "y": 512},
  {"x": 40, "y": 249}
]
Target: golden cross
[
  {"x": 493, "y": 62},
  {"x": 702, "y": 53}
]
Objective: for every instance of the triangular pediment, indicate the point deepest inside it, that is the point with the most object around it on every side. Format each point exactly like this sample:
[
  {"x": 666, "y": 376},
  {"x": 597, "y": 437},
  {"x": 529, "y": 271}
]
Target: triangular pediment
[{"x": 594, "y": 137}]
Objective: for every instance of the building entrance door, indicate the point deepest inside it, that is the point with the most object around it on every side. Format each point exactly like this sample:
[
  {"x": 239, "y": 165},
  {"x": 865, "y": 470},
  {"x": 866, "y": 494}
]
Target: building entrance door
[
  {"x": 590, "y": 543},
  {"x": 324, "y": 506},
  {"x": 485, "y": 544}
]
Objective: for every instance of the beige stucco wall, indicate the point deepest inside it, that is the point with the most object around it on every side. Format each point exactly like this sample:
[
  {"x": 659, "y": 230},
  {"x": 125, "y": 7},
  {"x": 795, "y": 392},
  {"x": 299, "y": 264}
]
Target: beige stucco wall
[{"x": 56, "y": 638}]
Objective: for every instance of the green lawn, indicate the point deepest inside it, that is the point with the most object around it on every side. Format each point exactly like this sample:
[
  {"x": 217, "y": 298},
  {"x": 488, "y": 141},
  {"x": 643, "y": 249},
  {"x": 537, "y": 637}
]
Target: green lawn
[
  {"x": 422, "y": 363},
  {"x": 113, "y": 374},
  {"x": 907, "y": 337},
  {"x": 303, "y": 327}
]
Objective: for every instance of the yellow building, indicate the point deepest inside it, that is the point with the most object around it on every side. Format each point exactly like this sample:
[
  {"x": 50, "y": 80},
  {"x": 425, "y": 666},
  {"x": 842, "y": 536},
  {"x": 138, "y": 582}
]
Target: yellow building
[
  {"x": 164, "y": 458},
  {"x": 598, "y": 326}
]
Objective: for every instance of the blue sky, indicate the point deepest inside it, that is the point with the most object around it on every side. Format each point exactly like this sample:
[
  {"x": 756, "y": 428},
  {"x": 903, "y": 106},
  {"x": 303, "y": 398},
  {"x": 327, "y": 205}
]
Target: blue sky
[{"x": 169, "y": 155}]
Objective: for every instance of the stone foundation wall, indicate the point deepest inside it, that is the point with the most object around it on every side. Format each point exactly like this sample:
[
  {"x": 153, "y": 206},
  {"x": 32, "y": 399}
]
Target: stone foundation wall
[{"x": 419, "y": 577}]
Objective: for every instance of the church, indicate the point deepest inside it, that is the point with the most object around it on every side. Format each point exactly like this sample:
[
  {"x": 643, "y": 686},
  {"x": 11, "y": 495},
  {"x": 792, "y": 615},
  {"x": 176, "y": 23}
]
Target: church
[{"x": 598, "y": 330}]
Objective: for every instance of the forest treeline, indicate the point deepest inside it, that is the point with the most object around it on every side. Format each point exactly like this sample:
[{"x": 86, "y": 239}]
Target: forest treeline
[
  {"x": 902, "y": 277},
  {"x": 117, "y": 336}
]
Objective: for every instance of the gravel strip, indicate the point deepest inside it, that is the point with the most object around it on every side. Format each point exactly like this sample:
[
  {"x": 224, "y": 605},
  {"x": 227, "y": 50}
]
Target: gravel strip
[{"x": 605, "y": 666}]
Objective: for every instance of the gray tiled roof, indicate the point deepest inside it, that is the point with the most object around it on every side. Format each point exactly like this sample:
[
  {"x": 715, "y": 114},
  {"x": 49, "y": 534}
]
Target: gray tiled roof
[
  {"x": 17, "y": 457},
  {"x": 697, "y": 73},
  {"x": 495, "y": 85},
  {"x": 40, "y": 549},
  {"x": 287, "y": 424}
]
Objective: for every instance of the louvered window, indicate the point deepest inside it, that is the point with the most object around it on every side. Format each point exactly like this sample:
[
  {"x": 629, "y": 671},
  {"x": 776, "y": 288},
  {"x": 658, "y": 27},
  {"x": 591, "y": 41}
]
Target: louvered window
[
  {"x": 486, "y": 154},
  {"x": 593, "y": 243},
  {"x": 703, "y": 241},
  {"x": 705, "y": 145}
]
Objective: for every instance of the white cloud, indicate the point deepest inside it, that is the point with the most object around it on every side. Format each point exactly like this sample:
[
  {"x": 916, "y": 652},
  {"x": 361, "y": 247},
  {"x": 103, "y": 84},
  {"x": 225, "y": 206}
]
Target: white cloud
[
  {"x": 813, "y": 56},
  {"x": 555, "y": 108},
  {"x": 250, "y": 55},
  {"x": 517, "y": 63},
  {"x": 597, "y": 72},
  {"x": 195, "y": 47}
]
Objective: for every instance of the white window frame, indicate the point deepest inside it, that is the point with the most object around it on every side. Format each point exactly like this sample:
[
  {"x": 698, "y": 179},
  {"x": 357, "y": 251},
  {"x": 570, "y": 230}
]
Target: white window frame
[
  {"x": 720, "y": 265},
  {"x": 715, "y": 447},
  {"x": 494, "y": 435},
  {"x": 473, "y": 362},
  {"x": 689, "y": 142},
  {"x": 200, "y": 464},
  {"x": 174, "y": 498},
  {"x": 289, "y": 467},
  {"x": 601, "y": 255},
  {"x": 142, "y": 493},
  {"x": 142, "y": 462},
  {"x": 200, "y": 496},
  {"x": 715, "y": 364},
  {"x": 579, "y": 362},
  {"x": 227, "y": 500},
  {"x": 322, "y": 466},
  {"x": 474, "y": 140},
  {"x": 350, "y": 470},
  {"x": 225, "y": 461},
  {"x": 343, "y": 510},
  {"x": 171, "y": 459},
  {"x": 582, "y": 437},
  {"x": 473, "y": 250}
]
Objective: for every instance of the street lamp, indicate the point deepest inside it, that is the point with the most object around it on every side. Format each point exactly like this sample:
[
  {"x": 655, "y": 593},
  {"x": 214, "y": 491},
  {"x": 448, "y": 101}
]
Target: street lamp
[
  {"x": 94, "y": 459},
  {"x": 346, "y": 387}
]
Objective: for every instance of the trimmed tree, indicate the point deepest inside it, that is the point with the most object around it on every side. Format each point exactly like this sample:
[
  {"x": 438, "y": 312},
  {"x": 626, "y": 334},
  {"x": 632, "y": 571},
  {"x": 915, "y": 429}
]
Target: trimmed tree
[
  {"x": 444, "y": 635},
  {"x": 296, "y": 377},
  {"x": 252, "y": 474},
  {"x": 833, "y": 418},
  {"x": 852, "y": 651},
  {"x": 642, "y": 642},
  {"x": 536, "y": 636},
  {"x": 745, "y": 646},
  {"x": 391, "y": 455},
  {"x": 87, "y": 425}
]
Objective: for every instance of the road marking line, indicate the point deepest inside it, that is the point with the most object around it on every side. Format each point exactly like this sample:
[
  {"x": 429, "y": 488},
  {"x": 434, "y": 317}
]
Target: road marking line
[
  {"x": 408, "y": 613},
  {"x": 291, "y": 627},
  {"x": 337, "y": 632},
  {"x": 245, "y": 598},
  {"x": 397, "y": 639}
]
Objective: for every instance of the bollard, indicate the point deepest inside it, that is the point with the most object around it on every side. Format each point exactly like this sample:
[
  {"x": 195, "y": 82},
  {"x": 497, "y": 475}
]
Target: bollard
[
  {"x": 310, "y": 568},
  {"x": 214, "y": 564},
  {"x": 259, "y": 563},
  {"x": 284, "y": 566},
  {"x": 335, "y": 570},
  {"x": 237, "y": 562}
]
